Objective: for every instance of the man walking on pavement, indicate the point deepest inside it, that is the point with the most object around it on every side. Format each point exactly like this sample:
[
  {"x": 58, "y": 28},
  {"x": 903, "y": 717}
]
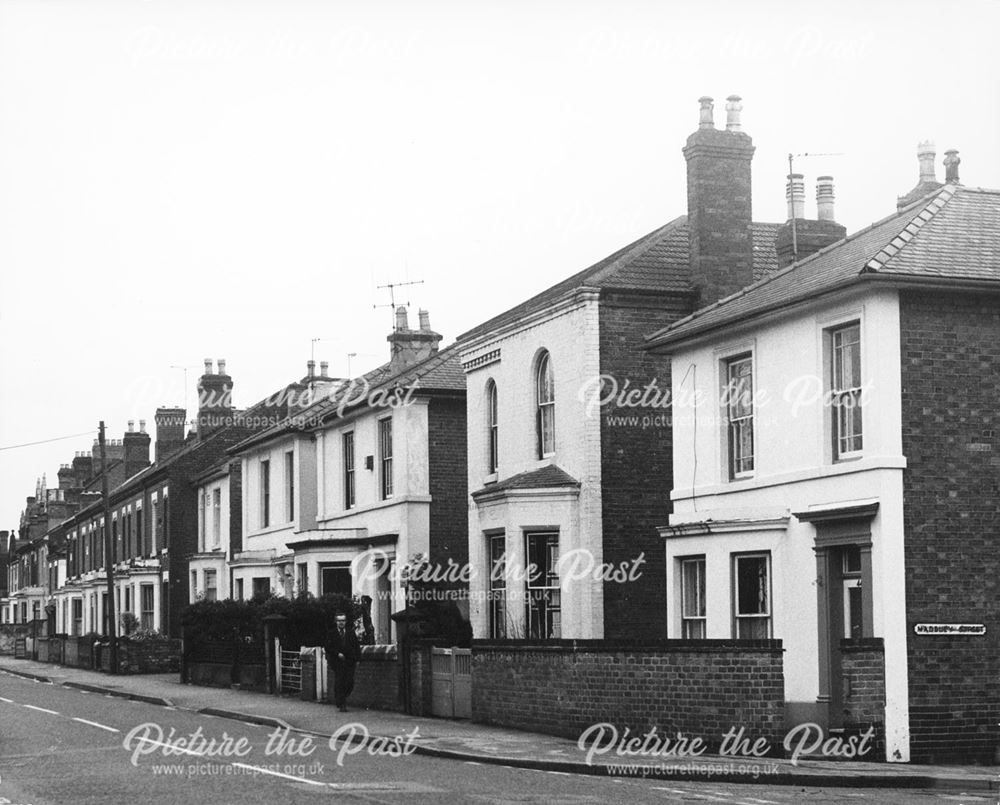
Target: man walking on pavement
[{"x": 343, "y": 652}]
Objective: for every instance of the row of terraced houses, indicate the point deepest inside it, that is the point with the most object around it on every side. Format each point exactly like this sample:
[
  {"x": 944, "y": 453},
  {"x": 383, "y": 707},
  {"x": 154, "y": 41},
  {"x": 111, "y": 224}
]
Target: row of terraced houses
[{"x": 747, "y": 471}]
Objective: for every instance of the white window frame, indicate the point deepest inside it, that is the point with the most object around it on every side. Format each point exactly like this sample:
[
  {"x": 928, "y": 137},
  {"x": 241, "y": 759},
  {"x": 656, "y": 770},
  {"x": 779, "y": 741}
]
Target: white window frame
[
  {"x": 542, "y": 589},
  {"x": 545, "y": 405},
  {"x": 492, "y": 428},
  {"x": 739, "y": 466},
  {"x": 839, "y": 392},
  {"x": 694, "y": 625},
  {"x": 385, "y": 463},
  {"x": 767, "y": 615}
]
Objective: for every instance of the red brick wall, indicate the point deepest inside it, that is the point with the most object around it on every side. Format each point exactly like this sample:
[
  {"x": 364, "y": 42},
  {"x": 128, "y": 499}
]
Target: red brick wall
[
  {"x": 700, "y": 688},
  {"x": 863, "y": 670},
  {"x": 951, "y": 487},
  {"x": 636, "y": 471}
]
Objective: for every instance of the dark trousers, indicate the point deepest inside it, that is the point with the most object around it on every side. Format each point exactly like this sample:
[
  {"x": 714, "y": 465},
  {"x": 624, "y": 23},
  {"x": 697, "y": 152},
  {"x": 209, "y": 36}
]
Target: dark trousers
[{"x": 343, "y": 681}]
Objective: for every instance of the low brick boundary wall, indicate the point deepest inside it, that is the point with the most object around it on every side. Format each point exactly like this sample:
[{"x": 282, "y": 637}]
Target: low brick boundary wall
[
  {"x": 378, "y": 680},
  {"x": 142, "y": 656},
  {"x": 698, "y": 688},
  {"x": 863, "y": 670}
]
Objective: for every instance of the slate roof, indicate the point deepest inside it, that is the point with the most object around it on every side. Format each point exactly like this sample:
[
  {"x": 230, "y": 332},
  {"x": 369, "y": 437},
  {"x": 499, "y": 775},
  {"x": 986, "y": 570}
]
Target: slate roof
[
  {"x": 657, "y": 261},
  {"x": 545, "y": 477},
  {"x": 442, "y": 371},
  {"x": 952, "y": 235}
]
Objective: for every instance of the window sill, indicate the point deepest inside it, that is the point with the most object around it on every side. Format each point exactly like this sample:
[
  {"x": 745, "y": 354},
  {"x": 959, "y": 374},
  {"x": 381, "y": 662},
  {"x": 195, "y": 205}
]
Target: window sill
[{"x": 490, "y": 479}]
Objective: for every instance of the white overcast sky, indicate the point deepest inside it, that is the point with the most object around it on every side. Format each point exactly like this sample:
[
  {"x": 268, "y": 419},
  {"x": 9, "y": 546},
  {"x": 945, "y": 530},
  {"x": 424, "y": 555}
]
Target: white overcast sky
[{"x": 182, "y": 180}]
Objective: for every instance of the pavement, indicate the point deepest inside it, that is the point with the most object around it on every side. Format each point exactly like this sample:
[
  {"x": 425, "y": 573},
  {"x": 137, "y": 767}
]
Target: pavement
[{"x": 470, "y": 742}]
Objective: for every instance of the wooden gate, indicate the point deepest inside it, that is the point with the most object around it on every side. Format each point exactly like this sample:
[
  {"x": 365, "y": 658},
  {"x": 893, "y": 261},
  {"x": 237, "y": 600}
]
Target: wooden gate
[{"x": 451, "y": 682}]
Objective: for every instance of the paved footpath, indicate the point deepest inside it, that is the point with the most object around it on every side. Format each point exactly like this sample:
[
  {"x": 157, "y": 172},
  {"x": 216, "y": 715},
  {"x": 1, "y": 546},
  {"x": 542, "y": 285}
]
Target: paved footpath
[{"x": 463, "y": 740}]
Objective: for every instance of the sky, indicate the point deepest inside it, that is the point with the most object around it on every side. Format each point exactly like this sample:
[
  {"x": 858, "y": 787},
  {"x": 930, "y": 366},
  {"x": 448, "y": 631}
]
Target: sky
[{"x": 191, "y": 180}]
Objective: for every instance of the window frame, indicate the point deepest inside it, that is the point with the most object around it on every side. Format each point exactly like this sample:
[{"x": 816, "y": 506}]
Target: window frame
[
  {"x": 545, "y": 405},
  {"x": 542, "y": 601},
  {"x": 147, "y": 615},
  {"x": 497, "y": 585},
  {"x": 492, "y": 428},
  {"x": 211, "y": 589},
  {"x": 739, "y": 617},
  {"x": 385, "y": 456},
  {"x": 265, "y": 493},
  {"x": 348, "y": 455},
  {"x": 738, "y": 465},
  {"x": 839, "y": 392},
  {"x": 217, "y": 517},
  {"x": 290, "y": 485},
  {"x": 689, "y": 622}
]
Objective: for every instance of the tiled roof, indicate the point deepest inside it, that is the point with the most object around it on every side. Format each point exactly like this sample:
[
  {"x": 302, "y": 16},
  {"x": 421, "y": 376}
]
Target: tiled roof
[
  {"x": 952, "y": 235},
  {"x": 546, "y": 477},
  {"x": 442, "y": 371},
  {"x": 657, "y": 261}
]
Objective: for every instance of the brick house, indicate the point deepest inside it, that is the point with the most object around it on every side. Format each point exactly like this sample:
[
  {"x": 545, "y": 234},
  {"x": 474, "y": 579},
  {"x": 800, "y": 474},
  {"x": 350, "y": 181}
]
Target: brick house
[
  {"x": 569, "y": 439},
  {"x": 835, "y": 475},
  {"x": 342, "y": 494}
]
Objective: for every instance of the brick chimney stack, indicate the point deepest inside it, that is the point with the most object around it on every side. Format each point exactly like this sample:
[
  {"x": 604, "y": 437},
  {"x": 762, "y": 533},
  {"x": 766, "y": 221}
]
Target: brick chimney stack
[
  {"x": 169, "y": 431},
  {"x": 719, "y": 210},
  {"x": 215, "y": 399},
  {"x": 799, "y": 236},
  {"x": 409, "y": 347},
  {"x": 136, "y": 449}
]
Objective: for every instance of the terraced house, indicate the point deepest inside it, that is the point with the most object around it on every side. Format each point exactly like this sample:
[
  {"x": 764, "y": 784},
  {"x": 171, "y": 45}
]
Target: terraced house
[
  {"x": 836, "y": 483},
  {"x": 345, "y": 492}
]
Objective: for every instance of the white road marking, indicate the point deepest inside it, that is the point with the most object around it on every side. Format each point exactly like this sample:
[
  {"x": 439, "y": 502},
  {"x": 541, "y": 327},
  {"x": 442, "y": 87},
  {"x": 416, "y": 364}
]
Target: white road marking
[
  {"x": 95, "y": 724},
  {"x": 40, "y": 709},
  {"x": 172, "y": 748},
  {"x": 563, "y": 773},
  {"x": 472, "y": 763},
  {"x": 9, "y": 701},
  {"x": 278, "y": 774}
]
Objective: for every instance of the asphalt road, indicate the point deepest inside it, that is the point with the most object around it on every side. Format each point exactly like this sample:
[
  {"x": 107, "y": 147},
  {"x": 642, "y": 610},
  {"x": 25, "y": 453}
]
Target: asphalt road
[{"x": 60, "y": 746}]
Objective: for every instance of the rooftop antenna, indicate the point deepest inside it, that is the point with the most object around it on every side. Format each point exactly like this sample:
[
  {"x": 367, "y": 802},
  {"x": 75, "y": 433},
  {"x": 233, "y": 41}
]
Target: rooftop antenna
[
  {"x": 392, "y": 296},
  {"x": 185, "y": 370},
  {"x": 791, "y": 170}
]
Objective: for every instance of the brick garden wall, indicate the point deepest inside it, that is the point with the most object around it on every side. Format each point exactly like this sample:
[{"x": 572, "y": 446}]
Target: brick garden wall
[
  {"x": 700, "y": 688},
  {"x": 636, "y": 470},
  {"x": 377, "y": 680},
  {"x": 951, "y": 421},
  {"x": 863, "y": 673}
]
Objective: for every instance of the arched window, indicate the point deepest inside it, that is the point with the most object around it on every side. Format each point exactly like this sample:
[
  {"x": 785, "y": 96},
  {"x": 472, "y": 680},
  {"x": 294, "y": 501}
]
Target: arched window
[
  {"x": 493, "y": 450},
  {"x": 545, "y": 397}
]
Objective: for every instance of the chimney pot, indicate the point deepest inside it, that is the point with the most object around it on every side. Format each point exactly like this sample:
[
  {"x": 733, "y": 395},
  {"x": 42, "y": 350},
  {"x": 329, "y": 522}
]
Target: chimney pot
[
  {"x": 733, "y": 109},
  {"x": 142, "y": 426},
  {"x": 824, "y": 198},
  {"x": 131, "y": 425},
  {"x": 795, "y": 195},
  {"x": 208, "y": 366},
  {"x": 401, "y": 318},
  {"x": 425, "y": 320},
  {"x": 310, "y": 368},
  {"x": 925, "y": 156},
  {"x": 222, "y": 366},
  {"x": 951, "y": 163},
  {"x": 706, "y": 119},
  {"x": 324, "y": 367}
]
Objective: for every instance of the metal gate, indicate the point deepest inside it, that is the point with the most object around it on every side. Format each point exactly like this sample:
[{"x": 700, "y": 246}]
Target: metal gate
[
  {"x": 451, "y": 682},
  {"x": 288, "y": 670}
]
